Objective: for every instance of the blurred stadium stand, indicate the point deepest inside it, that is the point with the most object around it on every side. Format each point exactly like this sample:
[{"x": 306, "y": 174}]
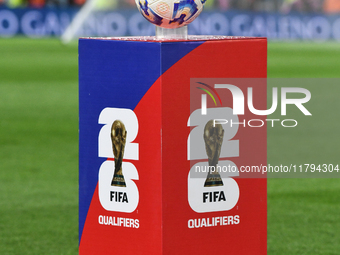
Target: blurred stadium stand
[
  {"x": 285, "y": 6},
  {"x": 275, "y": 19}
]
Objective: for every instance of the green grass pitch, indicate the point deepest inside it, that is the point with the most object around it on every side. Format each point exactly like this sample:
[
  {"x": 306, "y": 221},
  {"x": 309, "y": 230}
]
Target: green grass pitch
[{"x": 39, "y": 164}]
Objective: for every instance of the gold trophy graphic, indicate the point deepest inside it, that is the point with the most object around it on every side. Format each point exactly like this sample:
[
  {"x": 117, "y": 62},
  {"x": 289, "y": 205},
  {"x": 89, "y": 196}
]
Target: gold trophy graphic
[
  {"x": 213, "y": 138},
  {"x": 118, "y": 138}
]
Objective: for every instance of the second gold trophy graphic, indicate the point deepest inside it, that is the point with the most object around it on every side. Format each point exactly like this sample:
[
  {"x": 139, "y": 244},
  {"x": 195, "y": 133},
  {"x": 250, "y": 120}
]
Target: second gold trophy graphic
[
  {"x": 213, "y": 138},
  {"x": 118, "y": 138}
]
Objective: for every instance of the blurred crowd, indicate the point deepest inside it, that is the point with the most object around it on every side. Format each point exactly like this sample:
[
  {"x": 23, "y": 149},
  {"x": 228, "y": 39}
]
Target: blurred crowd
[
  {"x": 41, "y": 3},
  {"x": 284, "y": 6}
]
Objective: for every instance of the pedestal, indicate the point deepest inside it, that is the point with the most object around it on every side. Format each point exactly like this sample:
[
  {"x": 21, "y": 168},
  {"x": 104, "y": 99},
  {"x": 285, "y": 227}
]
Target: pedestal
[{"x": 163, "y": 93}]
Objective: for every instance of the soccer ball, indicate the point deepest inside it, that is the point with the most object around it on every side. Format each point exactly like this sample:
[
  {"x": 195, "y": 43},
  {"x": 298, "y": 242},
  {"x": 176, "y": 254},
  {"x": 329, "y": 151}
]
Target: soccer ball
[{"x": 170, "y": 13}]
